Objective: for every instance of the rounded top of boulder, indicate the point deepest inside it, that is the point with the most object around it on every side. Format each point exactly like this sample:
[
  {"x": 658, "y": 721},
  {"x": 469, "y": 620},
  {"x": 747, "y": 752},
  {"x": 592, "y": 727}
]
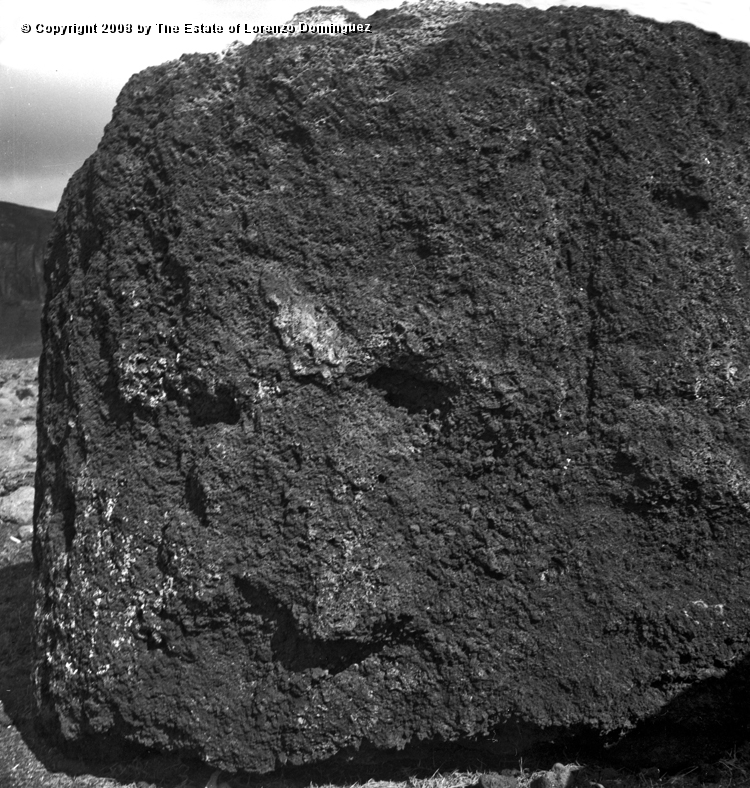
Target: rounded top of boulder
[{"x": 320, "y": 17}]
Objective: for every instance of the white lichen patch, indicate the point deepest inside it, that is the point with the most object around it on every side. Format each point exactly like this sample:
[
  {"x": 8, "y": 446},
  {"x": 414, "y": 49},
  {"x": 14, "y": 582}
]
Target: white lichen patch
[
  {"x": 700, "y": 613},
  {"x": 345, "y": 589},
  {"x": 315, "y": 340},
  {"x": 315, "y": 344},
  {"x": 89, "y": 616},
  {"x": 142, "y": 379}
]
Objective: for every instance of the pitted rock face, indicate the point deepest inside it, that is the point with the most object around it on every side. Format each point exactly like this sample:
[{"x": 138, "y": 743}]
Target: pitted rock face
[{"x": 395, "y": 388}]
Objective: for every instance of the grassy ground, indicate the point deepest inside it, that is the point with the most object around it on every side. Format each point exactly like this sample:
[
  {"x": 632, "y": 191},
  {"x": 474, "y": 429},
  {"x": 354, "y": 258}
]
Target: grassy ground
[{"x": 28, "y": 760}]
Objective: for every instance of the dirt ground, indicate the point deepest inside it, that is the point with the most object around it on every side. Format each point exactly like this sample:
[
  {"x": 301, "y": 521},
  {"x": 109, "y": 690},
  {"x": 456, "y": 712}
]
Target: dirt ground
[{"x": 28, "y": 760}]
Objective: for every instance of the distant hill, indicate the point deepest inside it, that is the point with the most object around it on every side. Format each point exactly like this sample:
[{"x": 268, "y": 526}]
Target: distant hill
[{"x": 23, "y": 239}]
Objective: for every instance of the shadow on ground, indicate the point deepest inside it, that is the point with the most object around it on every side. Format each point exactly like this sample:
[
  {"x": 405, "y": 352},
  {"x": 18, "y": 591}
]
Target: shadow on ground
[
  {"x": 16, "y": 611},
  {"x": 698, "y": 726}
]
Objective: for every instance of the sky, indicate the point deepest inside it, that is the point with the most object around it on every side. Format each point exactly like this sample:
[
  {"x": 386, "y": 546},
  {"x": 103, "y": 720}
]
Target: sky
[{"x": 57, "y": 91}]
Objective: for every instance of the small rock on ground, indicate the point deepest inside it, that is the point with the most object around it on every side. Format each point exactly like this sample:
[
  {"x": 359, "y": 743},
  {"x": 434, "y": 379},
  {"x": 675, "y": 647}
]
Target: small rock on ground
[
  {"x": 18, "y": 506},
  {"x": 561, "y": 776},
  {"x": 494, "y": 780}
]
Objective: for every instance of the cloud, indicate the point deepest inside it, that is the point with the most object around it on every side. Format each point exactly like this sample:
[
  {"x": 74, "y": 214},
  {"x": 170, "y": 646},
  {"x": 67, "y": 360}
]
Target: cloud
[{"x": 48, "y": 126}]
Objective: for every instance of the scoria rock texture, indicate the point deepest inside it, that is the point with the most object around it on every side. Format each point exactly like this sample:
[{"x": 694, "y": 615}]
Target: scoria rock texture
[
  {"x": 23, "y": 238},
  {"x": 395, "y": 388}
]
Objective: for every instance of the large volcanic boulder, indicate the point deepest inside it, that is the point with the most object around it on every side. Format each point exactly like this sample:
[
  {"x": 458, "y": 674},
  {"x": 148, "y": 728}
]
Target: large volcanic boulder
[
  {"x": 395, "y": 387},
  {"x": 23, "y": 238}
]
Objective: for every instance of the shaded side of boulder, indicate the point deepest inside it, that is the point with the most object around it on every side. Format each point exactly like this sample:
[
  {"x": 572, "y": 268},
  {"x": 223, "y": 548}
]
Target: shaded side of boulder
[{"x": 395, "y": 388}]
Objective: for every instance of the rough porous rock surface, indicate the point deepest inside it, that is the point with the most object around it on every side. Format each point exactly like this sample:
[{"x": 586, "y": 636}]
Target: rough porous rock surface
[{"x": 395, "y": 388}]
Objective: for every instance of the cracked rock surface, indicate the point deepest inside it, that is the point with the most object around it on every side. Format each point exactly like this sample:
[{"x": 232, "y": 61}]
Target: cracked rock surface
[{"x": 395, "y": 388}]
